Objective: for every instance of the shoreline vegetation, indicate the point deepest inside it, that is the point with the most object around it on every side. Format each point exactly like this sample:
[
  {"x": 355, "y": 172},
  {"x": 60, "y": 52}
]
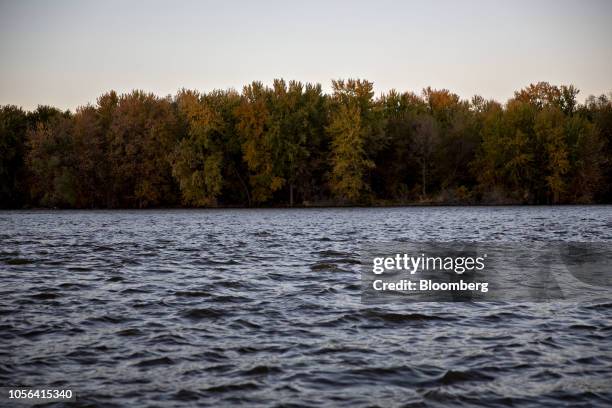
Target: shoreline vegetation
[
  {"x": 307, "y": 206},
  {"x": 291, "y": 145}
]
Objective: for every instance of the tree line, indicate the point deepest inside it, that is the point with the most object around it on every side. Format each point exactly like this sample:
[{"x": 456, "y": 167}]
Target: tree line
[{"x": 292, "y": 144}]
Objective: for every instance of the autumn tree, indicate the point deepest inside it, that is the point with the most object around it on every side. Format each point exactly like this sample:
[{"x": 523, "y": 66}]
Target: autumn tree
[
  {"x": 543, "y": 94},
  {"x": 352, "y": 125},
  {"x": 290, "y": 143},
  {"x": 507, "y": 163},
  {"x": 141, "y": 136},
  {"x": 90, "y": 148},
  {"x": 51, "y": 162},
  {"x": 258, "y": 146},
  {"x": 198, "y": 158}
]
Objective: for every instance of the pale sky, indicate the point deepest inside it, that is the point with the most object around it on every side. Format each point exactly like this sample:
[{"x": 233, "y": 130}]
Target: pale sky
[{"x": 67, "y": 53}]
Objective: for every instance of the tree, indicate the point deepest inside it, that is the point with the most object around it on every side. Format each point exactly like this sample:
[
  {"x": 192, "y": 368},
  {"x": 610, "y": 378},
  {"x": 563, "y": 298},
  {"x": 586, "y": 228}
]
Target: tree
[
  {"x": 311, "y": 164},
  {"x": 504, "y": 162},
  {"x": 458, "y": 139},
  {"x": 198, "y": 159},
  {"x": 13, "y": 127},
  {"x": 142, "y": 134},
  {"x": 587, "y": 159},
  {"x": 294, "y": 130},
  {"x": 290, "y": 143},
  {"x": 50, "y": 161},
  {"x": 258, "y": 147},
  {"x": 353, "y": 123},
  {"x": 544, "y": 94},
  {"x": 286, "y": 137},
  {"x": 90, "y": 150},
  {"x": 550, "y": 132},
  {"x": 598, "y": 112},
  {"x": 395, "y": 170}
]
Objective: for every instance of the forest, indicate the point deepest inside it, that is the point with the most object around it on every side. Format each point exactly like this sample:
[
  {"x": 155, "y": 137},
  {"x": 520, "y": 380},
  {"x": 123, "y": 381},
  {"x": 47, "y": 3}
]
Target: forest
[{"x": 291, "y": 144}]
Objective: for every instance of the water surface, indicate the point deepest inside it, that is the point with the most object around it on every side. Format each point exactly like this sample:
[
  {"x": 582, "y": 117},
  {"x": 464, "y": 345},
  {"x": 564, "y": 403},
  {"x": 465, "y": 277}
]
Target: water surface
[{"x": 263, "y": 308}]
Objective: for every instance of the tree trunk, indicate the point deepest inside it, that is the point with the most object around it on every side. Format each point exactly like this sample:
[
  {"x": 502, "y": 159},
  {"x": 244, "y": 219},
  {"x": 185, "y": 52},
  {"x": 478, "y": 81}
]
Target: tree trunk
[{"x": 291, "y": 195}]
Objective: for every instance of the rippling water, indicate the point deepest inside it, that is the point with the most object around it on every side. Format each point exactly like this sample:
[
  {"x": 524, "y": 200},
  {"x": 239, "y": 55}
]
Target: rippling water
[{"x": 263, "y": 307}]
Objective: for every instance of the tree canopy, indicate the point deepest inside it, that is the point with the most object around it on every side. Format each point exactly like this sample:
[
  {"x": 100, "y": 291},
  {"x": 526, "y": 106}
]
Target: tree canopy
[{"x": 291, "y": 144}]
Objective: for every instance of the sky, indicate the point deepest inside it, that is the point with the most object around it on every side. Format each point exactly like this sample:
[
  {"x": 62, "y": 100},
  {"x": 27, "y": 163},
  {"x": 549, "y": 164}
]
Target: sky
[{"x": 67, "y": 53}]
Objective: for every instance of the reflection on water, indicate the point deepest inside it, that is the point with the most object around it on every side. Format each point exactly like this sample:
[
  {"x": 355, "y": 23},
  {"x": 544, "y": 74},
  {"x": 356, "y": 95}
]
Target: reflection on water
[{"x": 263, "y": 307}]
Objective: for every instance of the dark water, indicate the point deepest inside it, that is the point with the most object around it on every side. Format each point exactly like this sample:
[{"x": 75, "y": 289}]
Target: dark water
[{"x": 263, "y": 308}]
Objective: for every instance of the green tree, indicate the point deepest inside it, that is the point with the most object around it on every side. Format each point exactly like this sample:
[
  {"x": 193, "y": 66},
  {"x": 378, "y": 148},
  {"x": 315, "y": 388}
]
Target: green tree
[
  {"x": 550, "y": 132},
  {"x": 353, "y": 124},
  {"x": 13, "y": 127},
  {"x": 458, "y": 139},
  {"x": 587, "y": 159},
  {"x": 294, "y": 130},
  {"x": 598, "y": 112},
  {"x": 397, "y": 174},
  {"x": 198, "y": 158},
  {"x": 258, "y": 144}
]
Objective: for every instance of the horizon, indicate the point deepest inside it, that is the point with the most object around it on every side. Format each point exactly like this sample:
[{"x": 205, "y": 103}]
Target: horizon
[{"x": 67, "y": 53}]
